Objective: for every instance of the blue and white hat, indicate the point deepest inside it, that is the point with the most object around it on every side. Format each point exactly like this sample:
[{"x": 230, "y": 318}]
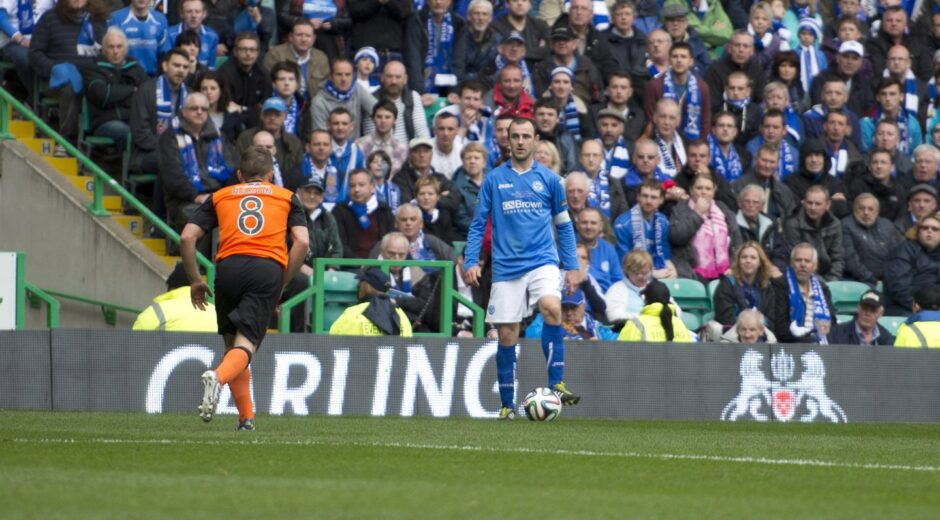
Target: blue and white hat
[
  {"x": 367, "y": 52},
  {"x": 811, "y": 24},
  {"x": 563, "y": 70}
]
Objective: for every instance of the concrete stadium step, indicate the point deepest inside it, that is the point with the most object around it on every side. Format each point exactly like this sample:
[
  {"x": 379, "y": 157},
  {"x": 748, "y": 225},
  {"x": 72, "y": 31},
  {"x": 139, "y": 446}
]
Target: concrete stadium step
[
  {"x": 170, "y": 260},
  {"x": 23, "y": 129},
  {"x": 133, "y": 223},
  {"x": 157, "y": 245},
  {"x": 43, "y": 147},
  {"x": 64, "y": 165}
]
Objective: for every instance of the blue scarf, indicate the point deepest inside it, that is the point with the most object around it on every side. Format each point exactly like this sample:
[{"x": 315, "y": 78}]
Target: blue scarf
[
  {"x": 838, "y": 160},
  {"x": 319, "y": 9},
  {"x": 362, "y": 211},
  {"x": 215, "y": 163},
  {"x": 649, "y": 238},
  {"x": 333, "y": 186},
  {"x": 692, "y": 124},
  {"x": 440, "y": 50},
  {"x": 166, "y": 112},
  {"x": 787, "y": 163},
  {"x": 390, "y": 195},
  {"x": 589, "y": 326},
  {"x": 600, "y": 193},
  {"x": 618, "y": 160},
  {"x": 430, "y": 217},
  {"x": 348, "y": 160},
  {"x": 798, "y": 306},
  {"x": 341, "y": 96},
  {"x": 740, "y": 104},
  {"x": 811, "y": 62},
  {"x": 633, "y": 179},
  {"x": 482, "y": 128},
  {"x": 729, "y": 167},
  {"x": 572, "y": 121},
  {"x": 904, "y": 131},
  {"x": 653, "y": 69},
  {"x": 794, "y": 124},
  {"x": 801, "y": 12},
  {"x": 24, "y": 15},
  {"x": 87, "y": 46},
  {"x": 293, "y": 116},
  {"x": 526, "y": 77}
]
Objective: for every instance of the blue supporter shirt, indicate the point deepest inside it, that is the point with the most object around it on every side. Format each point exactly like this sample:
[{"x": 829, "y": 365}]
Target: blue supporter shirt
[
  {"x": 210, "y": 40},
  {"x": 605, "y": 265},
  {"x": 146, "y": 39},
  {"x": 523, "y": 207},
  {"x": 623, "y": 231}
]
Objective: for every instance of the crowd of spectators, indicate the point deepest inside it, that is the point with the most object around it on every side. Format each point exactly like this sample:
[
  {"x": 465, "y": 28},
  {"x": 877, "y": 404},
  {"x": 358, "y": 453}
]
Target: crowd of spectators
[{"x": 774, "y": 146}]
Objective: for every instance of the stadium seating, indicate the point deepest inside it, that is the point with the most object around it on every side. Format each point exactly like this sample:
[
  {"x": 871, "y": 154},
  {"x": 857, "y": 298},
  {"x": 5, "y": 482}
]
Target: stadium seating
[
  {"x": 845, "y": 295},
  {"x": 692, "y": 321},
  {"x": 712, "y": 288},
  {"x": 891, "y": 323},
  {"x": 691, "y": 296},
  {"x": 340, "y": 287}
]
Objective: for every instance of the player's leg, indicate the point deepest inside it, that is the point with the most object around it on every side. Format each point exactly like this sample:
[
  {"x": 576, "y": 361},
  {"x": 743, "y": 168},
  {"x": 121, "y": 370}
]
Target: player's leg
[
  {"x": 545, "y": 285},
  {"x": 506, "y": 368},
  {"x": 506, "y": 309}
]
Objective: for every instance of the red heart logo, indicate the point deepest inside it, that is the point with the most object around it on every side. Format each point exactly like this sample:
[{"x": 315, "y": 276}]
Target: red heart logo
[{"x": 783, "y": 401}]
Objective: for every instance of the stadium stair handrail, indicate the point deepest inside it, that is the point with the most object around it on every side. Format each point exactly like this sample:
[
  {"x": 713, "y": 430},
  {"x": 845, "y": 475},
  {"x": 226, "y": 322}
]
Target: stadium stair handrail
[
  {"x": 317, "y": 288},
  {"x": 8, "y": 103},
  {"x": 108, "y": 310},
  {"x": 37, "y": 297}
]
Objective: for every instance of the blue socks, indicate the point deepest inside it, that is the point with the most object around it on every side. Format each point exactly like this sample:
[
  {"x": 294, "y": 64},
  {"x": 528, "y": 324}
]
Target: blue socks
[
  {"x": 506, "y": 373},
  {"x": 553, "y": 346}
]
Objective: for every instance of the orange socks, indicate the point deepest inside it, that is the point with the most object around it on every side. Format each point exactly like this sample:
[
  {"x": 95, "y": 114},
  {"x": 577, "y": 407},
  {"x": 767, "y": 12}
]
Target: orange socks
[
  {"x": 241, "y": 392},
  {"x": 234, "y": 363}
]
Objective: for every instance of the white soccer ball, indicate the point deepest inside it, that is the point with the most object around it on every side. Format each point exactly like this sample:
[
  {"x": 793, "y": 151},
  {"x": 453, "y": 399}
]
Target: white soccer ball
[{"x": 542, "y": 404}]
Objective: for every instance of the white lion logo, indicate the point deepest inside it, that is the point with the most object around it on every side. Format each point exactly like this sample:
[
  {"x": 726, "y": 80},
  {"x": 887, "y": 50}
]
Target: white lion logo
[{"x": 782, "y": 395}]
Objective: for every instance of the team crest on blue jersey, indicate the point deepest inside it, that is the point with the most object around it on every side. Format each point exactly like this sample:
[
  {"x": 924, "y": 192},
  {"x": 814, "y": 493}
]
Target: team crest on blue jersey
[{"x": 538, "y": 186}]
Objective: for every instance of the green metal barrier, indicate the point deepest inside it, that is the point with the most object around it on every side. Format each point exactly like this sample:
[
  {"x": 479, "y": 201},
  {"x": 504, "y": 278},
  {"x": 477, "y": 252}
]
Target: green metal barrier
[
  {"x": 36, "y": 298},
  {"x": 316, "y": 291},
  {"x": 101, "y": 178},
  {"x": 108, "y": 310}
]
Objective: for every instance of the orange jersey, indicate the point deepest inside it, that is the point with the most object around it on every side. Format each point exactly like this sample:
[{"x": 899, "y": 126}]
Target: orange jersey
[{"x": 253, "y": 220}]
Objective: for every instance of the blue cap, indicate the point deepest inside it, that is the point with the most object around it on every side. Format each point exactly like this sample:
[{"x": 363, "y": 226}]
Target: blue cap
[
  {"x": 576, "y": 298},
  {"x": 274, "y": 103}
]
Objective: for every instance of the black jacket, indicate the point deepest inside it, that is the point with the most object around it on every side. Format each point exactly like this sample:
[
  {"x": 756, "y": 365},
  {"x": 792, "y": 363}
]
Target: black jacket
[
  {"x": 783, "y": 202},
  {"x": 845, "y": 334},
  {"x": 481, "y": 53},
  {"x": 588, "y": 84},
  {"x": 909, "y": 267},
  {"x": 635, "y": 124},
  {"x": 379, "y": 25},
  {"x": 537, "y": 36},
  {"x": 781, "y": 326},
  {"x": 768, "y": 236},
  {"x": 109, "y": 90},
  {"x": 249, "y": 89},
  {"x": 892, "y": 197},
  {"x": 54, "y": 41},
  {"x": 416, "y": 48},
  {"x": 826, "y": 238},
  {"x": 861, "y": 93},
  {"x": 597, "y": 48},
  {"x": 178, "y": 190},
  {"x": 799, "y": 183},
  {"x": 630, "y": 56},
  {"x": 921, "y": 62},
  {"x": 719, "y": 70},
  {"x": 730, "y": 301},
  {"x": 867, "y": 248},
  {"x": 349, "y": 229},
  {"x": 405, "y": 180}
]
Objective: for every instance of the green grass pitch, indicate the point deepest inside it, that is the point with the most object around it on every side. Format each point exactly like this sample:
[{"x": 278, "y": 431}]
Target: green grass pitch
[{"x": 115, "y": 465}]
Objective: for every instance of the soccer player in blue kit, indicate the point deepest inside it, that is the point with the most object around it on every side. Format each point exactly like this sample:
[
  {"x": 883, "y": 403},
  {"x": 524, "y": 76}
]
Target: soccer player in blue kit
[{"x": 524, "y": 199}]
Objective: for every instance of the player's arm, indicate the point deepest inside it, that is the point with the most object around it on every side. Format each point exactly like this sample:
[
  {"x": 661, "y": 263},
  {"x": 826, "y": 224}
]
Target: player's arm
[
  {"x": 300, "y": 237},
  {"x": 203, "y": 219},
  {"x": 475, "y": 235},
  {"x": 566, "y": 239}
]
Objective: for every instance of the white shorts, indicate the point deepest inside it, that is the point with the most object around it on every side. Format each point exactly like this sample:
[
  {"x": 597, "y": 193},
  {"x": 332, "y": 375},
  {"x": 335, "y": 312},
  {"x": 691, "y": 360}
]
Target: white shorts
[{"x": 512, "y": 300}]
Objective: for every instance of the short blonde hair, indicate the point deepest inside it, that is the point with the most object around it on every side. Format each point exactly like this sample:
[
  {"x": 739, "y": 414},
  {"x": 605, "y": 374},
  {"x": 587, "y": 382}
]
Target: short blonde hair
[
  {"x": 636, "y": 260},
  {"x": 475, "y": 147},
  {"x": 553, "y": 152}
]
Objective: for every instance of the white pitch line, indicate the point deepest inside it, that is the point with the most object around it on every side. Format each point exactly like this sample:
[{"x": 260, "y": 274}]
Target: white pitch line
[{"x": 535, "y": 451}]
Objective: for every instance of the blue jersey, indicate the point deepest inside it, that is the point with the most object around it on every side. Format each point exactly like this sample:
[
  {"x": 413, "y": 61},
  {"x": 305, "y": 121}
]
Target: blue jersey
[
  {"x": 632, "y": 230},
  {"x": 210, "y": 40},
  {"x": 523, "y": 207},
  {"x": 605, "y": 264},
  {"x": 146, "y": 39}
]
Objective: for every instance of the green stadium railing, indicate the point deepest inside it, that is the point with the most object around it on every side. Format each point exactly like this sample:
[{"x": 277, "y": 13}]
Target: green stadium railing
[
  {"x": 37, "y": 297},
  {"x": 317, "y": 289},
  {"x": 8, "y": 103},
  {"x": 108, "y": 310}
]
